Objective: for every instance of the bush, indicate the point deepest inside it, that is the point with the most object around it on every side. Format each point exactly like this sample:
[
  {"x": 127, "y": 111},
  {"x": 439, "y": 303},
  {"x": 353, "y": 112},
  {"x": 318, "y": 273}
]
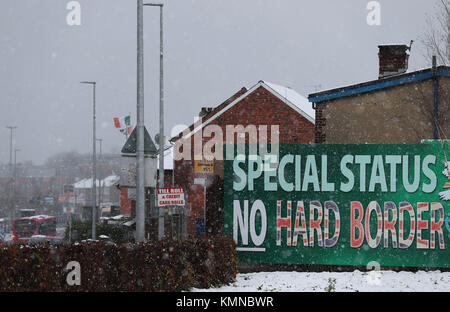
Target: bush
[
  {"x": 83, "y": 231},
  {"x": 165, "y": 265},
  {"x": 80, "y": 231}
]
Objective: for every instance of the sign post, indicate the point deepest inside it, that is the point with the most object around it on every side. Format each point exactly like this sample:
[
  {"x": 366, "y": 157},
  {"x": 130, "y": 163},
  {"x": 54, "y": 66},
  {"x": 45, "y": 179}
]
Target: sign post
[
  {"x": 174, "y": 199},
  {"x": 170, "y": 197},
  {"x": 203, "y": 167},
  {"x": 130, "y": 172},
  {"x": 341, "y": 205}
]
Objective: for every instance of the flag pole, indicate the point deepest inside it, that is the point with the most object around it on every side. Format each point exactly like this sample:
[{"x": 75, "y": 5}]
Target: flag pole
[{"x": 126, "y": 134}]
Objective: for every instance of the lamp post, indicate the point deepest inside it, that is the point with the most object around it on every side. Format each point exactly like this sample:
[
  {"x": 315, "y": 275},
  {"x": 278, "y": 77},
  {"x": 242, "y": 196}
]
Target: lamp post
[
  {"x": 101, "y": 172},
  {"x": 140, "y": 188},
  {"x": 11, "y": 128},
  {"x": 161, "y": 115},
  {"x": 15, "y": 162},
  {"x": 14, "y": 183},
  {"x": 94, "y": 171},
  {"x": 100, "y": 141}
]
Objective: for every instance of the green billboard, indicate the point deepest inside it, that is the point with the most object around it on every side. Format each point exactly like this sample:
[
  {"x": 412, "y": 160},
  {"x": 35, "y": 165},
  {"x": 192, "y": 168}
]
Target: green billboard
[{"x": 340, "y": 204}]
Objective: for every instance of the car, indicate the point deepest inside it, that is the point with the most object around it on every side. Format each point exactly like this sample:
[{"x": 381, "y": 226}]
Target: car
[
  {"x": 41, "y": 239},
  {"x": 7, "y": 239}
]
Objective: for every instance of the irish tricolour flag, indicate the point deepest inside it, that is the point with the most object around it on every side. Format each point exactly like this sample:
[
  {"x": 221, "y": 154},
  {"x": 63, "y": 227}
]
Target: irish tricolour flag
[{"x": 123, "y": 124}]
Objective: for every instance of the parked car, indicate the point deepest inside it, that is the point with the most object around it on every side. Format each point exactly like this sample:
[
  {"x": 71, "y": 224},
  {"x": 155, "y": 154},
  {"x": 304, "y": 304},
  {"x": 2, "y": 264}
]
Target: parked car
[
  {"x": 9, "y": 239},
  {"x": 6, "y": 239},
  {"x": 41, "y": 239}
]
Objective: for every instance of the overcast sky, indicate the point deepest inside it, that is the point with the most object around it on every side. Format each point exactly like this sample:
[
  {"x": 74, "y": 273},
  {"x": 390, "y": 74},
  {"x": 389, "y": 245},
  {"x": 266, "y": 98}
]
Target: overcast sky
[{"x": 212, "y": 49}]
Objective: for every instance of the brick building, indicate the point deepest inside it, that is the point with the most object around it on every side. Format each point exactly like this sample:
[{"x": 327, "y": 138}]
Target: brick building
[
  {"x": 264, "y": 104},
  {"x": 399, "y": 107},
  {"x": 106, "y": 192}
]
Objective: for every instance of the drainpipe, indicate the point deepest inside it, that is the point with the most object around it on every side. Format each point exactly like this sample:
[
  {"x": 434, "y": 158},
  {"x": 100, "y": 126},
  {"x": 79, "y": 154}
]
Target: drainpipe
[{"x": 436, "y": 98}]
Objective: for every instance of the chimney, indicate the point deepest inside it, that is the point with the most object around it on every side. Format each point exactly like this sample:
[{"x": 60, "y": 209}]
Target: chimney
[
  {"x": 393, "y": 59},
  {"x": 205, "y": 111}
]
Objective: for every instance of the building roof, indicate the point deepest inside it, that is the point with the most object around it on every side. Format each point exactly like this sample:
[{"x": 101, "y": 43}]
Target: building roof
[
  {"x": 289, "y": 96},
  {"x": 87, "y": 183},
  {"x": 130, "y": 145},
  {"x": 295, "y": 98},
  {"x": 378, "y": 84}
]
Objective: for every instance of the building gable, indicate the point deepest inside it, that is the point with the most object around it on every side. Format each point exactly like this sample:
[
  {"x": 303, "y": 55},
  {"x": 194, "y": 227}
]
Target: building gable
[{"x": 286, "y": 95}]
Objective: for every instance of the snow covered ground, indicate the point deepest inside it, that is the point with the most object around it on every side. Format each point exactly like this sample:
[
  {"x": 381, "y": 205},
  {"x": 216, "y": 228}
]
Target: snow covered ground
[{"x": 382, "y": 281}]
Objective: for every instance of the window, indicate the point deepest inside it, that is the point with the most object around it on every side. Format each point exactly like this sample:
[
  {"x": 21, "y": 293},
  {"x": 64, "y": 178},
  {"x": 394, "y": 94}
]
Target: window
[
  {"x": 25, "y": 228},
  {"x": 47, "y": 228}
]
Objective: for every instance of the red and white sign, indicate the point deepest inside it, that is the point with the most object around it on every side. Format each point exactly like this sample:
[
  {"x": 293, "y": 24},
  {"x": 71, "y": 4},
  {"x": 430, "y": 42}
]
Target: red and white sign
[{"x": 171, "y": 197}]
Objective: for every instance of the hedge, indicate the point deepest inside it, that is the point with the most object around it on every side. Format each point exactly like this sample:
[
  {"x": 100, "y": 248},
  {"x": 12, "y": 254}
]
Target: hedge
[
  {"x": 82, "y": 230},
  {"x": 166, "y": 265}
]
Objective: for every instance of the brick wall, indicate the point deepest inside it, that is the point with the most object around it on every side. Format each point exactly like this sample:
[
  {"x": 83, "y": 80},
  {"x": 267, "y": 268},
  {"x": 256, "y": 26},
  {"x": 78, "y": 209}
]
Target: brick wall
[
  {"x": 125, "y": 203},
  {"x": 261, "y": 107},
  {"x": 319, "y": 133}
]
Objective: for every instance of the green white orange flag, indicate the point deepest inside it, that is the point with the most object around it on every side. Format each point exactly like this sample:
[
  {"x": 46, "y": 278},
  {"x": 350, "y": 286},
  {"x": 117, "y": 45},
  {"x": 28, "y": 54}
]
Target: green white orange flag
[{"x": 123, "y": 124}]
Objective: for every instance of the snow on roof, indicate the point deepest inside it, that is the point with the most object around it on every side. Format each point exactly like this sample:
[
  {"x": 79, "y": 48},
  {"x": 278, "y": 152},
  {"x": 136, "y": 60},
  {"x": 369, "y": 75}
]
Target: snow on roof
[
  {"x": 296, "y": 101},
  {"x": 110, "y": 180},
  {"x": 38, "y": 217},
  {"x": 84, "y": 183},
  {"x": 87, "y": 183},
  {"x": 292, "y": 96},
  {"x": 118, "y": 217},
  {"x": 129, "y": 223}
]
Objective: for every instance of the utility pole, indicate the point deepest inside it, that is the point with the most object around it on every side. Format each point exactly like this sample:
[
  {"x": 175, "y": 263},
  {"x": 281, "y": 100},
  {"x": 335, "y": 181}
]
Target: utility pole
[
  {"x": 94, "y": 165},
  {"x": 140, "y": 188},
  {"x": 161, "y": 115}
]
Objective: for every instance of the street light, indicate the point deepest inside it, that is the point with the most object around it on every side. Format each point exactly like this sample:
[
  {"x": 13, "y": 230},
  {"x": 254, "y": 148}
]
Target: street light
[
  {"x": 161, "y": 116},
  {"x": 101, "y": 172},
  {"x": 94, "y": 173},
  {"x": 14, "y": 183},
  {"x": 15, "y": 161},
  {"x": 11, "y": 128},
  {"x": 100, "y": 141},
  {"x": 140, "y": 188}
]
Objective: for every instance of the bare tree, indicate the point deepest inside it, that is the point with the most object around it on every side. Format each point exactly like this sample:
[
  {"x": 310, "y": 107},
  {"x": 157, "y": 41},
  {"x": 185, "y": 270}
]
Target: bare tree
[{"x": 437, "y": 35}]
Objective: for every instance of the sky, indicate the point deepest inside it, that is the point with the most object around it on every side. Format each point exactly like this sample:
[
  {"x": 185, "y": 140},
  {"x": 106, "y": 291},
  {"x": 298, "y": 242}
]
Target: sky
[{"x": 213, "y": 48}]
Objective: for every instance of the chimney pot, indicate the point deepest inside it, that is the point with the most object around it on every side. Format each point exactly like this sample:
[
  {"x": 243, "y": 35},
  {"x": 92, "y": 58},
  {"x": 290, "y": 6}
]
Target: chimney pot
[
  {"x": 205, "y": 111},
  {"x": 393, "y": 60}
]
